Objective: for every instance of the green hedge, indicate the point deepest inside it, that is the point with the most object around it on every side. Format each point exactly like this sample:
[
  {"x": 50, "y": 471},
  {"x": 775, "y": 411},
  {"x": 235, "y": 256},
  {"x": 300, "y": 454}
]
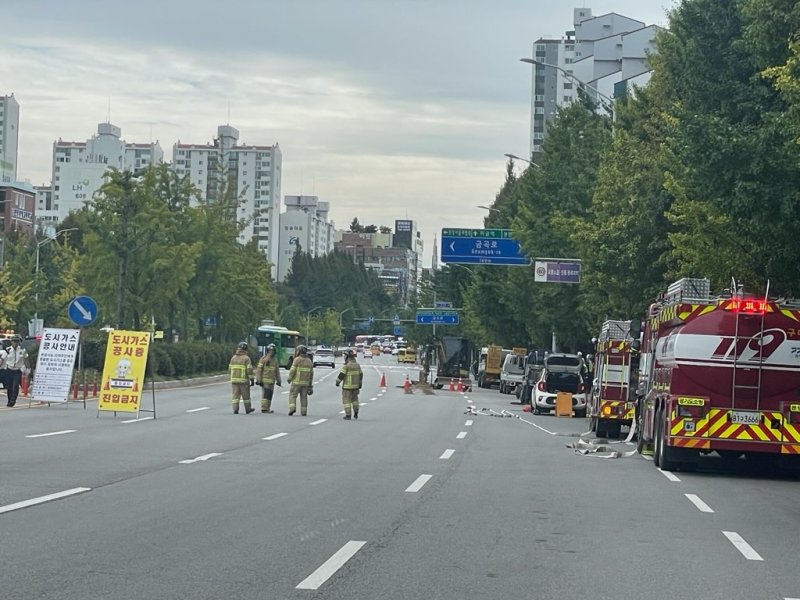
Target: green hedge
[{"x": 179, "y": 360}]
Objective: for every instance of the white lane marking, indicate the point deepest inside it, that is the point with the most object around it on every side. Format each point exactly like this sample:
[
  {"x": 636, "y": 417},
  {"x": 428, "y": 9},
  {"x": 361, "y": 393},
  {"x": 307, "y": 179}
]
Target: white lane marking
[
  {"x": 192, "y": 410},
  {"x": 38, "y": 435},
  {"x": 341, "y": 412},
  {"x": 43, "y": 499},
  {"x": 189, "y": 461},
  {"x": 374, "y": 398},
  {"x": 667, "y": 474},
  {"x": 274, "y": 437},
  {"x": 646, "y": 457},
  {"x": 330, "y": 566},
  {"x": 137, "y": 420},
  {"x": 742, "y": 546},
  {"x": 318, "y": 421},
  {"x": 468, "y": 423},
  {"x": 461, "y": 435},
  {"x": 418, "y": 483},
  {"x": 447, "y": 453},
  {"x": 702, "y": 506}
]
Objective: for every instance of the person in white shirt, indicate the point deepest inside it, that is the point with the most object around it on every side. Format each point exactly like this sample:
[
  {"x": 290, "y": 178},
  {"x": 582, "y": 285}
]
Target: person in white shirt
[{"x": 15, "y": 361}]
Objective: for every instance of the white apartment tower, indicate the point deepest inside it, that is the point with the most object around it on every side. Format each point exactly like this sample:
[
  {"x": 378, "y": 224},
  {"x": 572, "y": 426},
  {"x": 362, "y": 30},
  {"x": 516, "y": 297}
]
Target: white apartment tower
[
  {"x": 605, "y": 54},
  {"x": 79, "y": 167},
  {"x": 253, "y": 171},
  {"x": 9, "y": 138},
  {"x": 304, "y": 227}
]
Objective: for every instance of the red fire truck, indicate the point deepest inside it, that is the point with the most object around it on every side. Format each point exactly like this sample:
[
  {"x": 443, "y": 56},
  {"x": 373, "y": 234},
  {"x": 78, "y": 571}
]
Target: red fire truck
[
  {"x": 720, "y": 374},
  {"x": 616, "y": 364}
]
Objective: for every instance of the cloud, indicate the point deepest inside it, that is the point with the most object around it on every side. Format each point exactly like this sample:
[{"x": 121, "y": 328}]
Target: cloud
[{"x": 386, "y": 109}]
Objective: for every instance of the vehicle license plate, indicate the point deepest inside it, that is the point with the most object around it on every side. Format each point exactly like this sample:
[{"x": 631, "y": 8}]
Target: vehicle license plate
[{"x": 745, "y": 417}]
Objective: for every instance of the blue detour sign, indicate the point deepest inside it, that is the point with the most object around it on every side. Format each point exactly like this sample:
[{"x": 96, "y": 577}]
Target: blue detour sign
[
  {"x": 482, "y": 247},
  {"x": 437, "y": 317},
  {"x": 82, "y": 310}
]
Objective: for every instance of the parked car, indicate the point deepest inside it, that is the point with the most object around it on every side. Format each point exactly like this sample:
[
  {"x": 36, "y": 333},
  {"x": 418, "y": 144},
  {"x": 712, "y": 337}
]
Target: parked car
[
  {"x": 324, "y": 356},
  {"x": 561, "y": 373}
]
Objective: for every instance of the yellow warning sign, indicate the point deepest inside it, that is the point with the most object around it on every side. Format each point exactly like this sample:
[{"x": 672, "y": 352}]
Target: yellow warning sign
[
  {"x": 685, "y": 401},
  {"x": 123, "y": 371}
]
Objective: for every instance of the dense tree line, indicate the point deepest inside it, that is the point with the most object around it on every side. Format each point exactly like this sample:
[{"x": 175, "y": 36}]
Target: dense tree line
[{"x": 697, "y": 174}]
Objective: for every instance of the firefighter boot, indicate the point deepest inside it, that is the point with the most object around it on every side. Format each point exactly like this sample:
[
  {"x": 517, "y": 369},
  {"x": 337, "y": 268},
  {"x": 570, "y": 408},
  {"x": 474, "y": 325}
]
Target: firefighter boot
[
  {"x": 346, "y": 417},
  {"x": 355, "y": 414},
  {"x": 236, "y": 407},
  {"x": 248, "y": 409}
]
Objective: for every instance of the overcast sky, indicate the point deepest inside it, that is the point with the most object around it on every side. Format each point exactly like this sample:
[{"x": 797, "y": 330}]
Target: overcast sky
[{"x": 385, "y": 108}]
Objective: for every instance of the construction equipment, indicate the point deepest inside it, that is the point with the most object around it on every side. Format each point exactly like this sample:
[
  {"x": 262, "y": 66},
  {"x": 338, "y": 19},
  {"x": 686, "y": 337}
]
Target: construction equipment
[
  {"x": 454, "y": 356},
  {"x": 490, "y": 364},
  {"x": 612, "y": 403},
  {"x": 720, "y": 374}
]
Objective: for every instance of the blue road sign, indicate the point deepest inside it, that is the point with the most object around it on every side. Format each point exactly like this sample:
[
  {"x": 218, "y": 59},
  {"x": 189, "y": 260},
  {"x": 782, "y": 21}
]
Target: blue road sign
[
  {"x": 82, "y": 310},
  {"x": 370, "y": 319},
  {"x": 398, "y": 330},
  {"x": 482, "y": 247},
  {"x": 437, "y": 317}
]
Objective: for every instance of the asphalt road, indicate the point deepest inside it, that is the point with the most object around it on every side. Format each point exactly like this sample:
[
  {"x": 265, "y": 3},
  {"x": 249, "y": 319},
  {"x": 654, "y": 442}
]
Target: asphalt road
[{"x": 416, "y": 499}]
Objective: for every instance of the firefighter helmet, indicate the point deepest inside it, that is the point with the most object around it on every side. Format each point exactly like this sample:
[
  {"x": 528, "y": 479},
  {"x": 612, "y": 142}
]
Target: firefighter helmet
[
  {"x": 271, "y": 347},
  {"x": 302, "y": 349},
  {"x": 348, "y": 353},
  {"x": 243, "y": 346}
]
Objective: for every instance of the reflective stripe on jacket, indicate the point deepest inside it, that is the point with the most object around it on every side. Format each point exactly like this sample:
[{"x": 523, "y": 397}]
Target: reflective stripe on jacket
[
  {"x": 350, "y": 375},
  {"x": 240, "y": 367},
  {"x": 268, "y": 372},
  {"x": 302, "y": 371}
]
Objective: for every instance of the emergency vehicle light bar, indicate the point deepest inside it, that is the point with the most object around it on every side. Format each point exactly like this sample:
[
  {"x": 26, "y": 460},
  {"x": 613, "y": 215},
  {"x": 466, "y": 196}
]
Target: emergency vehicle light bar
[{"x": 749, "y": 306}]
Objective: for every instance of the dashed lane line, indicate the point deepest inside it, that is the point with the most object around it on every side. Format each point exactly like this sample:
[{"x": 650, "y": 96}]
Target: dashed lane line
[
  {"x": 43, "y": 499},
  {"x": 701, "y": 506},
  {"x": 668, "y": 475},
  {"x": 468, "y": 423},
  {"x": 418, "y": 483},
  {"x": 203, "y": 458},
  {"x": 139, "y": 420},
  {"x": 330, "y": 566},
  {"x": 276, "y": 436},
  {"x": 194, "y": 410},
  {"x": 447, "y": 453},
  {"x": 742, "y": 546},
  {"x": 461, "y": 435},
  {"x": 41, "y": 435},
  {"x": 318, "y": 422}
]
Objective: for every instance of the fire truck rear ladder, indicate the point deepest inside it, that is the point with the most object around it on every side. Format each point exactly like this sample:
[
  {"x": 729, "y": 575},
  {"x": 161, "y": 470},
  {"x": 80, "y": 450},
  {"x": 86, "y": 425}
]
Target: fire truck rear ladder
[{"x": 736, "y": 352}]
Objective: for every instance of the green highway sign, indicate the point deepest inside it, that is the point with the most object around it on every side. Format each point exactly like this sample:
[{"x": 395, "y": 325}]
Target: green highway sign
[{"x": 498, "y": 234}]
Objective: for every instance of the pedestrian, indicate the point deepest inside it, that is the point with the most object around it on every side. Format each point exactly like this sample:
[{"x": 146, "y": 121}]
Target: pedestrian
[
  {"x": 268, "y": 374},
  {"x": 15, "y": 361},
  {"x": 351, "y": 378},
  {"x": 301, "y": 376},
  {"x": 241, "y": 372}
]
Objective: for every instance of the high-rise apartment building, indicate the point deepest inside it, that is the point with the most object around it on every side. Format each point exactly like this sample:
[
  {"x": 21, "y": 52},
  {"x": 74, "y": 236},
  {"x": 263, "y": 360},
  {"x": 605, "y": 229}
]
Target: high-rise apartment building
[
  {"x": 254, "y": 174},
  {"x": 304, "y": 227},
  {"x": 605, "y": 54},
  {"x": 9, "y": 138},
  {"x": 79, "y": 167}
]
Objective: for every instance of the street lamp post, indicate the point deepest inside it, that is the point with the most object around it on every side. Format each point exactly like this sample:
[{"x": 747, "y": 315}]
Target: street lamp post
[
  {"x": 342, "y": 313},
  {"x": 515, "y": 157},
  {"x": 36, "y": 275},
  {"x": 606, "y": 101}
]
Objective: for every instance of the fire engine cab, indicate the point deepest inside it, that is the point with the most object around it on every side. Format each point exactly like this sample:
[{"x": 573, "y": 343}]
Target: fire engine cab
[{"x": 720, "y": 374}]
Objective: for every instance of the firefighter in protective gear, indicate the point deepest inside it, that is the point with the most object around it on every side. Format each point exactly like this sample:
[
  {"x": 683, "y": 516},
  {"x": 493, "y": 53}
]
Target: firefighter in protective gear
[
  {"x": 241, "y": 371},
  {"x": 351, "y": 378},
  {"x": 268, "y": 374},
  {"x": 301, "y": 376}
]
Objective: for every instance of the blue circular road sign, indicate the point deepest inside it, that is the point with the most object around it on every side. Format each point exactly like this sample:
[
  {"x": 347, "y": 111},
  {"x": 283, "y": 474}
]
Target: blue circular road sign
[{"x": 82, "y": 310}]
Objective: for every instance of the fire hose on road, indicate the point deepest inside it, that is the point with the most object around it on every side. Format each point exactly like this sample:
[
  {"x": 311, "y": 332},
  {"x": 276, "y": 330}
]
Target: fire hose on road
[{"x": 582, "y": 446}]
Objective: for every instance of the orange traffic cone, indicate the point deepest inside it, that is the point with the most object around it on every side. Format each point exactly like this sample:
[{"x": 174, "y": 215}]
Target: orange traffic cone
[
  {"x": 24, "y": 384},
  {"x": 407, "y": 386},
  {"x": 452, "y": 385},
  {"x": 460, "y": 385},
  {"x": 383, "y": 380}
]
